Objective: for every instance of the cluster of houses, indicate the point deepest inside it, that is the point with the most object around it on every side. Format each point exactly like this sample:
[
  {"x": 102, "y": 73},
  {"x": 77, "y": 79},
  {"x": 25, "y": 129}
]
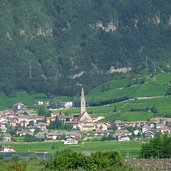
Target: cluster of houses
[
  {"x": 147, "y": 129},
  {"x": 26, "y": 122},
  {"x": 55, "y": 104}
]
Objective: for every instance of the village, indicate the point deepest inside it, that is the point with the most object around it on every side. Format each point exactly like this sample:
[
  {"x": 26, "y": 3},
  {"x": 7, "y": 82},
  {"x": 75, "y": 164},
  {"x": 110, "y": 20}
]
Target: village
[{"x": 20, "y": 122}]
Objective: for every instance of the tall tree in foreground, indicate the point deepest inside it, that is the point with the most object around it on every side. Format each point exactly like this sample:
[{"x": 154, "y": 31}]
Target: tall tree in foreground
[{"x": 158, "y": 147}]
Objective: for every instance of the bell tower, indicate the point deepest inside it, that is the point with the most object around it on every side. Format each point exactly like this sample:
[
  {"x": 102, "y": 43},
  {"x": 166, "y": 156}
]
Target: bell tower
[{"x": 83, "y": 101}]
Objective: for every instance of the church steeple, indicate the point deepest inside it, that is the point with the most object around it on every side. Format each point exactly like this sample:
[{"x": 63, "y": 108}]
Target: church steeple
[
  {"x": 83, "y": 101},
  {"x": 82, "y": 92}
]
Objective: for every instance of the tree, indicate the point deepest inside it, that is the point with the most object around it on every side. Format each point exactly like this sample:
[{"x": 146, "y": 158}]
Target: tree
[
  {"x": 107, "y": 137},
  {"x": 113, "y": 127},
  {"x": 158, "y": 147},
  {"x": 70, "y": 160},
  {"x": 11, "y": 130},
  {"x": 131, "y": 128},
  {"x": 58, "y": 124},
  {"x": 114, "y": 109},
  {"x": 43, "y": 111},
  {"x": 154, "y": 110}
]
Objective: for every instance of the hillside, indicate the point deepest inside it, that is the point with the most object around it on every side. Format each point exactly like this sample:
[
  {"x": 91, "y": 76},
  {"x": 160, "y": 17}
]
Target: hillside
[
  {"x": 147, "y": 99},
  {"x": 144, "y": 99},
  {"x": 54, "y": 46}
]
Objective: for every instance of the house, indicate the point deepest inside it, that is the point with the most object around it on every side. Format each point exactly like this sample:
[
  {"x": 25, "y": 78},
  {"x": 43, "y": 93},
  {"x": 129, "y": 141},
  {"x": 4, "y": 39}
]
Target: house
[
  {"x": 102, "y": 126},
  {"x": 99, "y": 133},
  {"x": 41, "y": 135},
  {"x": 70, "y": 140},
  {"x": 123, "y": 138},
  {"x": 89, "y": 126},
  {"x": 8, "y": 149},
  {"x": 66, "y": 104},
  {"x": 55, "y": 114},
  {"x": 149, "y": 134},
  {"x": 54, "y": 135},
  {"x": 41, "y": 125},
  {"x": 39, "y": 103},
  {"x": 75, "y": 134},
  {"x": 152, "y": 125},
  {"x": 14, "y": 122},
  {"x": 65, "y": 119},
  {"x": 136, "y": 132},
  {"x": 6, "y": 112},
  {"x": 19, "y": 107},
  {"x": 7, "y": 137},
  {"x": 3, "y": 127},
  {"x": 145, "y": 128},
  {"x": 156, "y": 120},
  {"x": 120, "y": 133},
  {"x": 25, "y": 132},
  {"x": 164, "y": 129}
]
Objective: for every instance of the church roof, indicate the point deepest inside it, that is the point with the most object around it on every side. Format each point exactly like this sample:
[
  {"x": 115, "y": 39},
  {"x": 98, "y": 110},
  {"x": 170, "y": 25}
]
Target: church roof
[{"x": 85, "y": 117}]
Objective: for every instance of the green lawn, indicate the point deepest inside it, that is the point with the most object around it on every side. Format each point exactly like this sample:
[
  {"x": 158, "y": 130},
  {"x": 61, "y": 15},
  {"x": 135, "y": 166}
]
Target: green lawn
[
  {"x": 29, "y": 100},
  {"x": 157, "y": 86},
  {"x": 52, "y": 147},
  {"x": 163, "y": 78}
]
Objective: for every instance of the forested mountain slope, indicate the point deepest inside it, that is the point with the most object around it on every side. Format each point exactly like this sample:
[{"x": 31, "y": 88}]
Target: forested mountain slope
[{"x": 53, "y": 46}]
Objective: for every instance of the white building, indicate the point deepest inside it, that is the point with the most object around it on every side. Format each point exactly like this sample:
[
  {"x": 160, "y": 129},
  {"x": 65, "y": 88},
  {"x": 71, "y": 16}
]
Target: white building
[
  {"x": 8, "y": 149},
  {"x": 70, "y": 140}
]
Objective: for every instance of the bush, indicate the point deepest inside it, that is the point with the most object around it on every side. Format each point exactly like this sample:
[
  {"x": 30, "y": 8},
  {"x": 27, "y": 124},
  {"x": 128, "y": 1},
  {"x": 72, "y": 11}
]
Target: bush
[{"x": 69, "y": 160}]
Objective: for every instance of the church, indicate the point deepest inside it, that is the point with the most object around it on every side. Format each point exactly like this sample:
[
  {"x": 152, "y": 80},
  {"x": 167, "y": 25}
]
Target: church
[
  {"x": 84, "y": 116},
  {"x": 85, "y": 122}
]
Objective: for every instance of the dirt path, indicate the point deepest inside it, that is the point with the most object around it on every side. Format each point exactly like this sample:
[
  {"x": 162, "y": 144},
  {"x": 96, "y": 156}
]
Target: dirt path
[{"x": 151, "y": 97}]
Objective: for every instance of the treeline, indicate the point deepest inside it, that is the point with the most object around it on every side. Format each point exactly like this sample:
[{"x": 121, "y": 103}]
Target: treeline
[
  {"x": 69, "y": 160},
  {"x": 99, "y": 102},
  {"x": 108, "y": 101}
]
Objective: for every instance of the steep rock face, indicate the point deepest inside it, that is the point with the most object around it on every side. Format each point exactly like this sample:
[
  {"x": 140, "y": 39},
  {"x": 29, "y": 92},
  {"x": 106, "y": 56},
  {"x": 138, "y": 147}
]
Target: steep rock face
[{"x": 54, "y": 46}]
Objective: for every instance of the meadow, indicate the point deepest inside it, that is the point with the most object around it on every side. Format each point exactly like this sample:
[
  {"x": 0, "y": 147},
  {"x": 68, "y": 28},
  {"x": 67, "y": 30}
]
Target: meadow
[
  {"x": 156, "y": 86},
  {"x": 28, "y": 99},
  {"x": 91, "y": 146}
]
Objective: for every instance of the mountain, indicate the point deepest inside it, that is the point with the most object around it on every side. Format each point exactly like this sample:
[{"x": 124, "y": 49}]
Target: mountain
[{"x": 54, "y": 46}]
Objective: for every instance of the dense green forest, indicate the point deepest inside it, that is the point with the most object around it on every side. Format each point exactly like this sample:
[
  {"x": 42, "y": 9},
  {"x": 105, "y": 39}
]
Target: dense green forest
[{"x": 54, "y": 46}]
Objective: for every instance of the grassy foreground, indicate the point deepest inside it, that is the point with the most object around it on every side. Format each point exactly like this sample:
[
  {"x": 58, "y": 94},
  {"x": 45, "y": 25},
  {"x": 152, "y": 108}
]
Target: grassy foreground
[{"x": 92, "y": 146}]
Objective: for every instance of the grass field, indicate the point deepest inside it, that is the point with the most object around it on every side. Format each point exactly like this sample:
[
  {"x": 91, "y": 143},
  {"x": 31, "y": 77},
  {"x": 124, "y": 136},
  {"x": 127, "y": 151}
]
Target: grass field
[
  {"x": 157, "y": 86},
  {"x": 52, "y": 147},
  {"x": 29, "y": 100}
]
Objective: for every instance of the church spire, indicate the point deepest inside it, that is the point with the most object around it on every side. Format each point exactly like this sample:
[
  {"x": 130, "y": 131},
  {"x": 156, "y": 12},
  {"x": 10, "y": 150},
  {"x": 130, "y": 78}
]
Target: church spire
[
  {"x": 83, "y": 101},
  {"x": 82, "y": 92}
]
